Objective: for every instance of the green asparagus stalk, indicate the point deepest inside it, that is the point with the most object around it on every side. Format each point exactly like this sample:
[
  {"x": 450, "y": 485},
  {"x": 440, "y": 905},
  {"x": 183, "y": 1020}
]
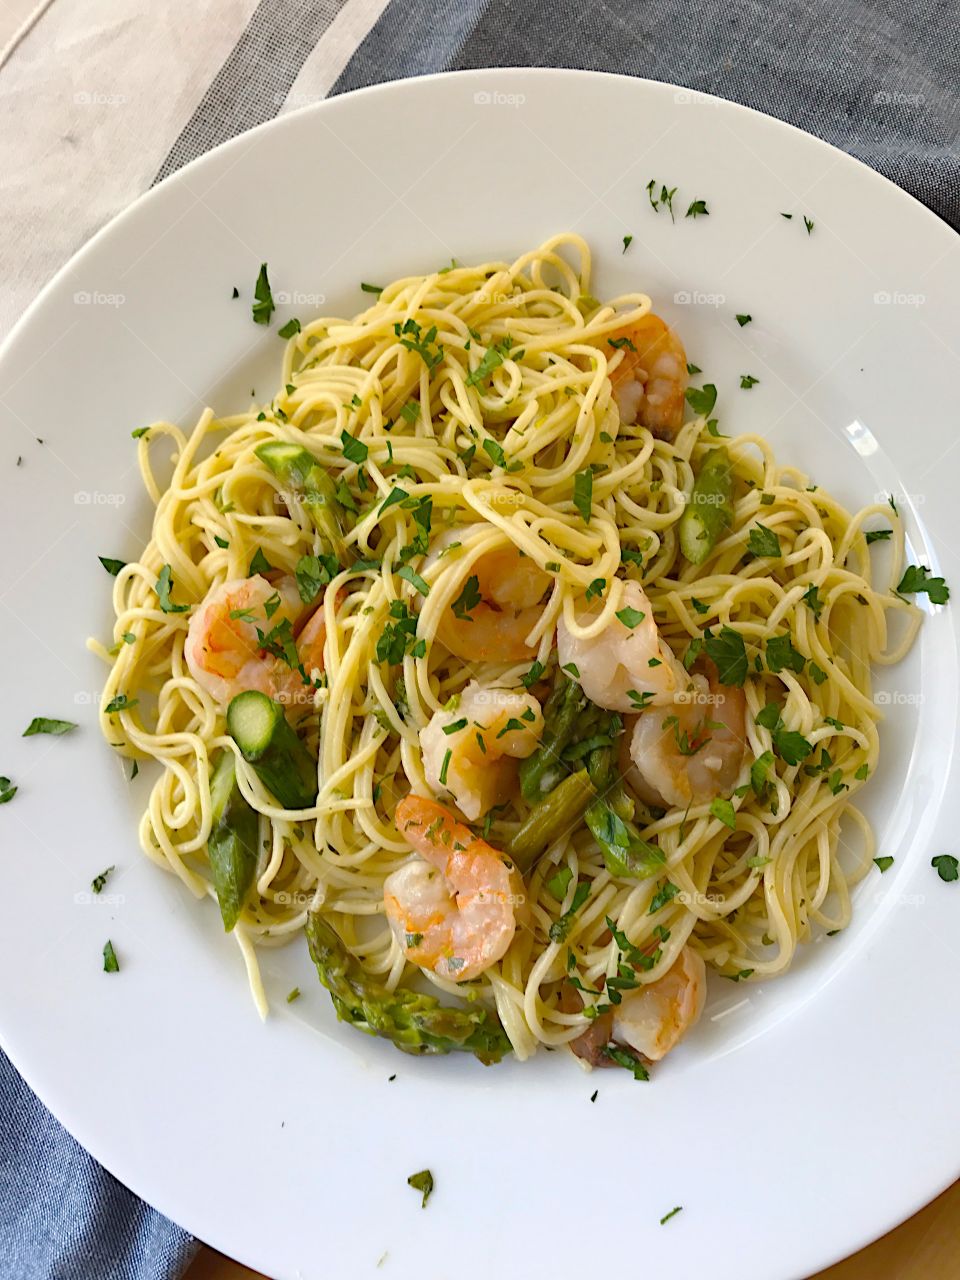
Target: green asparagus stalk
[
  {"x": 558, "y": 811},
  {"x": 299, "y": 471},
  {"x": 709, "y": 511},
  {"x": 541, "y": 772},
  {"x": 415, "y": 1023},
  {"x": 282, "y": 763},
  {"x": 232, "y": 847}
]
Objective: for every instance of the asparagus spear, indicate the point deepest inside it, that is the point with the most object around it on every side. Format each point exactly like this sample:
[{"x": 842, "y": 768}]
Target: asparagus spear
[
  {"x": 559, "y": 810},
  {"x": 541, "y": 772},
  {"x": 415, "y": 1023},
  {"x": 283, "y": 764},
  {"x": 233, "y": 842},
  {"x": 299, "y": 471},
  {"x": 710, "y": 509}
]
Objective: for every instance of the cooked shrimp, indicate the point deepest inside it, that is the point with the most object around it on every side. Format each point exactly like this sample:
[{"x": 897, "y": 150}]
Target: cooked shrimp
[
  {"x": 223, "y": 650},
  {"x": 650, "y": 381},
  {"x": 655, "y": 1017},
  {"x": 497, "y": 726},
  {"x": 652, "y": 1019},
  {"x": 453, "y": 909},
  {"x": 499, "y": 606},
  {"x": 692, "y": 751},
  {"x": 621, "y": 660}
]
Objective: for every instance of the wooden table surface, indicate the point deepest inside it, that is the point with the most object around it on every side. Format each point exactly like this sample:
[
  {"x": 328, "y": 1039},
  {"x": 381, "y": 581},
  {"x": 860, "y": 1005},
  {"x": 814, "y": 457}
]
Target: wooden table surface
[{"x": 927, "y": 1247}]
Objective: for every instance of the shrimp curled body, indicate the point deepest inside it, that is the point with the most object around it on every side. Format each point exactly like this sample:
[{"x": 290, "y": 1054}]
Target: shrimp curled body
[
  {"x": 690, "y": 752},
  {"x": 500, "y": 604},
  {"x": 650, "y": 381},
  {"x": 224, "y": 653},
  {"x": 469, "y": 751},
  {"x": 625, "y": 665},
  {"x": 454, "y": 909}
]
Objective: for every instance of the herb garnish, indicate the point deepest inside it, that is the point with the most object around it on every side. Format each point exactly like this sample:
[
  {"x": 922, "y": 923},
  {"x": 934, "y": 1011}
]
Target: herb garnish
[
  {"x": 110, "y": 964},
  {"x": 945, "y": 863},
  {"x": 163, "y": 588},
  {"x": 422, "y": 1181},
  {"x": 40, "y": 724},
  {"x": 263, "y": 307}
]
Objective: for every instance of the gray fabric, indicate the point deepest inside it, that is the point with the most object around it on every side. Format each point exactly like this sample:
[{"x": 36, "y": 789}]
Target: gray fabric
[
  {"x": 253, "y": 83},
  {"x": 878, "y": 80}
]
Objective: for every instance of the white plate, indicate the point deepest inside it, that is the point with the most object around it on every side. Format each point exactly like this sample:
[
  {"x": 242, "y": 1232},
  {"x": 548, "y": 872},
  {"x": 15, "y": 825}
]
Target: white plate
[{"x": 804, "y": 1116}]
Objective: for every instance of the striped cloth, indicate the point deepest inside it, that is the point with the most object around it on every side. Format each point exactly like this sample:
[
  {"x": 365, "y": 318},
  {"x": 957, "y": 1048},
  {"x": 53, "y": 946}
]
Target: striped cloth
[{"x": 100, "y": 101}]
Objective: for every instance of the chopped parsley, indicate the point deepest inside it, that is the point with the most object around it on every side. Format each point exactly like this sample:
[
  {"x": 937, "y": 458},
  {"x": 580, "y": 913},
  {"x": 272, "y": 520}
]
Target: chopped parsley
[
  {"x": 666, "y": 892},
  {"x": 263, "y": 307},
  {"x": 627, "y": 240},
  {"x": 728, "y": 652},
  {"x": 698, "y": 209},
  {"x": 397, "y": 635},
  {"x": 884, "y": 863},
  {"x": 702, "y": 399},
  {"x": 747, "y": 380},
  {"x": 423, "y": 1182},
  {"x": 561, "y": 927},
  {"x": 945, "y": 863},
  {"x": 164, "y": 587},
  {"x": 120, "y": 703},
  {"x": 97, "y": 883},
  {"x": 763, "y": 542},
  {"x": 314, "y": 572},
  {"x": 557, "y": 884},
  {"x": 624, "y": 1058},
  {"x": 673, "y": 1212},
  {"x": 724, "y": 811},
  {"x": 40, "y": 724},
  {"x": 631, "y": 617},
  {"x": 293, "y": 995},
  {"x": 533, "y": 675},
  {"x": 289, "y": 329},
  {"x": 112, "y": 567},
  {"x": 468, "y": 599},
  {"x": 414, "y": 579},
  {"x": 354, "y": 450},
  {"x": 371, "y": 288},
  {"x": 424, "y": 344},
  {"x": 780, "y": 654},
  {"x": 7, "y": 790},
  {"x": 259, "y": 563},
  {"x": 790, "y": 746},
  {"x": 743, "y": 319},
  {"x": 878, "y": 535},
  {"x": 916, "y": 579},
  {"x": 110, "y": 964},
  {"x": 492, "y": 359}
]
